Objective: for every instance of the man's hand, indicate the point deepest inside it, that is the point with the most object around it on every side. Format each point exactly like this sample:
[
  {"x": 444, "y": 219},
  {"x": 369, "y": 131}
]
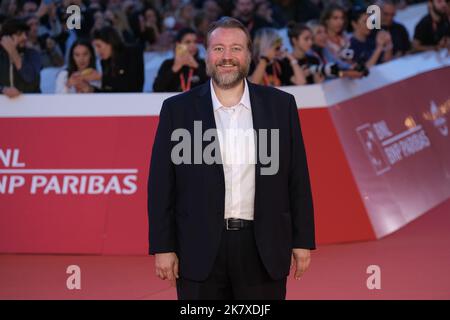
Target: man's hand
[
  {"x": 8, "y": 44},
  {"x": 183, "y": 59},
  {"x": 166, "y": 265},
  {"x": 301, "y": 259},
  {"x": 11, "y": 92}
]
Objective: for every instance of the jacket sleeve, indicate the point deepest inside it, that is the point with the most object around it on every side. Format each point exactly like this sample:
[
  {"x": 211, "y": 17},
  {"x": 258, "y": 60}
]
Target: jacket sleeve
[
  {"x": 31, "y": 67},
  {"x": 166, "y": 78},
  {"x": 161, "y": 189},
  {"x": 139, "y": 67},
  {"x": 300, "y": 196}
]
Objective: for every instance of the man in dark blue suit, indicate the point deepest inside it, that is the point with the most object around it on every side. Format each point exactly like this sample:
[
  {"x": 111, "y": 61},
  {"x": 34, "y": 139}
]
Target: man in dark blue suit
[{"x": 229, "y": 198}]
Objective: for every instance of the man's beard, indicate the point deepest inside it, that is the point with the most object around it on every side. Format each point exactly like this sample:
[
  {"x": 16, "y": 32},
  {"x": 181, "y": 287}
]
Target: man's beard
[
  {"x": 437, "y": 11},
  {"x": 227, "y": 80}
]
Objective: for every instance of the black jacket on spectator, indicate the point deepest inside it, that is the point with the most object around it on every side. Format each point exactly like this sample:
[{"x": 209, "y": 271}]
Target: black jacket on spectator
[
  {"x": 304, "y": 63},
  {"x": 399, "y": 35},
  {"x": 125, "y": 73},
  {"x": 27, "y": 79},
  {"x": 430, "y": 35},
  {"x": 168, "y": 81},
  {"x": 276, "y": 73}
]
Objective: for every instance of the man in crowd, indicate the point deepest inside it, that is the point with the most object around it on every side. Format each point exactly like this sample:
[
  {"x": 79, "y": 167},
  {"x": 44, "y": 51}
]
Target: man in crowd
[
  {"x": 433, "y": 30},
  {"x": 399, "y": 34},
  {"x": 244, "y": 11},
  {"x": 19, "y": 66}
]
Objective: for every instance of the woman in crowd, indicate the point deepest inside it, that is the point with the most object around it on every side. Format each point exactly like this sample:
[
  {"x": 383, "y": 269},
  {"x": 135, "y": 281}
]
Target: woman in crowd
[
  {"x": 269, "y": 66},
  {"x": 150, "y": 28},
  {"x": 117, "y": 19},
  {"x": 186, "y": 70},
  {"x": 301, "y": 39},
  {"x": 122, "y": 66},
  {"x": 337, "y": 41},
  {"x": 338, "y": 68},
  {"x": 80, "y": 69}
]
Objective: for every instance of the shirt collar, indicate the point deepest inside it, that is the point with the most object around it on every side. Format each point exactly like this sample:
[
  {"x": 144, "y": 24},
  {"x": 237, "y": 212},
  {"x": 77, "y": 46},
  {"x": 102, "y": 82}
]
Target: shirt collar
[{"x": 245, "y": 99}]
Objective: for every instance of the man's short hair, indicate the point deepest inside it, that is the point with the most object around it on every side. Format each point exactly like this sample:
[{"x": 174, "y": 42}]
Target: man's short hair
[
  {"x": 13, "y": 26},
  {"x": 229, "y": 23}
]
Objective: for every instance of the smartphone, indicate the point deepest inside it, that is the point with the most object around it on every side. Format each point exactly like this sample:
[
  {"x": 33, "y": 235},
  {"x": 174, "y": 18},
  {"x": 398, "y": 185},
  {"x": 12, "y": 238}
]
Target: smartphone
[{"x": 181, "y": 49}]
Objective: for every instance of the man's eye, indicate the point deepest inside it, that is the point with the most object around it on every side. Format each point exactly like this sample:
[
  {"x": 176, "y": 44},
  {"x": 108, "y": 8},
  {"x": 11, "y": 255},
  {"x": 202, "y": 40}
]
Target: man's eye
[
  {"x": 218, "y": 49},
  {"x": 236, "y": 49}
]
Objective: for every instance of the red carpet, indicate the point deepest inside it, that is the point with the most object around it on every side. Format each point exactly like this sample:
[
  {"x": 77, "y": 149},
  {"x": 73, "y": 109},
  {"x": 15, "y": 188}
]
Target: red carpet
[{"x": 414, "y": 262}]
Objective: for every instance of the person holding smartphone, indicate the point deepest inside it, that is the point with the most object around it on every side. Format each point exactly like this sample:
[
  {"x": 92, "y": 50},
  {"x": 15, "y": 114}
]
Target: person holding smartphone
[{"x": 186, "y": 70}]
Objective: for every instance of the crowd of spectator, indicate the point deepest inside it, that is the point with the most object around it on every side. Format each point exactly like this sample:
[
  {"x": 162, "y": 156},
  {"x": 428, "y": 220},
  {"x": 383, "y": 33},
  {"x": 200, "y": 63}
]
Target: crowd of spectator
[{"x": 329, "y": 39}]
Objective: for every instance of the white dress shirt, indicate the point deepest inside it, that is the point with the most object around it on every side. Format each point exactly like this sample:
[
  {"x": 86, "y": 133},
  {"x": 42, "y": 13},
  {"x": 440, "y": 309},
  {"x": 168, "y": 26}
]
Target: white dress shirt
[{"x": 237, "y": 148}]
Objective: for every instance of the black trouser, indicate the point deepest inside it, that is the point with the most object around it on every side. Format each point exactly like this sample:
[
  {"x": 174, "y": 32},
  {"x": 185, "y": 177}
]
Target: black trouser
[{"x": 238, "y": 273}]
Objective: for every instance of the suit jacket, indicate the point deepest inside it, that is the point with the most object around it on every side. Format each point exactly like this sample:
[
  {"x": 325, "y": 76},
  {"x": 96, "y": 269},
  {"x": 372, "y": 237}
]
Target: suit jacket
[{"x": 186, "y": 201}]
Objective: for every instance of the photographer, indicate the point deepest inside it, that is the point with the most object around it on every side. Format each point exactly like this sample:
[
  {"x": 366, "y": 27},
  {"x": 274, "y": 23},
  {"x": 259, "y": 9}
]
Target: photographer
[
  {"x": 271, "y": 66},
  {"x": 186, "y": 70}
]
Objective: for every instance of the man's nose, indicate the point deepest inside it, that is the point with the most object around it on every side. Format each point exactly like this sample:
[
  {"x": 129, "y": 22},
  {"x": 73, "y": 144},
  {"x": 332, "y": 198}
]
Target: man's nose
[{"x": 227, "y": 53}]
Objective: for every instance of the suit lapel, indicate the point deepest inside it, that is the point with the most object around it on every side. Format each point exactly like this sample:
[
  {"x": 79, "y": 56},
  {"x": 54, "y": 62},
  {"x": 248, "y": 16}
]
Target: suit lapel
[
  {"x": 261, "y": 120},
  {"x": 204, "y": 108}
]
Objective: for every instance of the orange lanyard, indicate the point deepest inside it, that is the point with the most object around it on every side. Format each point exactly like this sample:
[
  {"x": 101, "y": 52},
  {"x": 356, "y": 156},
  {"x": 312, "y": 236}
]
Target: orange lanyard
[
  {"x": 275, "y": 80},
  {"x": 186, "y": 85}
]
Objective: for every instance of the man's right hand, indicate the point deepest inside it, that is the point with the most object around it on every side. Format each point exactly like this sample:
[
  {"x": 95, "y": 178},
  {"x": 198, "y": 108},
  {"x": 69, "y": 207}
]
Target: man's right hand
[
  {"x": 11, "y": 92},
  {"x": 166, "y": 265}
]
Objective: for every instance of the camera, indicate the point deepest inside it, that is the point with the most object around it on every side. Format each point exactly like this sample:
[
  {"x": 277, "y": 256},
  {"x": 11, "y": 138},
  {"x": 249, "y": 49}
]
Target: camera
[
  {"x": 361, "y": 67},
  {"x": 327, "y": 70}
]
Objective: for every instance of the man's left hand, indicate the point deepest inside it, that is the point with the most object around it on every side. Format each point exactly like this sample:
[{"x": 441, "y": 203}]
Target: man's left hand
[{"x": 301, "y": 258}]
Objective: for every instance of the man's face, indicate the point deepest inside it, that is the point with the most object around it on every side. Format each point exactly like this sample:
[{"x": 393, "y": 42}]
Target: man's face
[
  {"x": 33, "y": 24},
  {"x": 439, "y": 6},
  {"x": 20, "y": 39},
  {"x": 228, "y": 57},
  {"x": 211, "y": 9},
  {"x": 29, "y": 8},
  {"x": 387, "y": 14},
  {"x": 244, "y": 8}
]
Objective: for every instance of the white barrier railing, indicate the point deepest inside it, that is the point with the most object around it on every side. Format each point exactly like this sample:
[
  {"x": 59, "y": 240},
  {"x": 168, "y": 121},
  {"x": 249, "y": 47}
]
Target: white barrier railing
[{"x": 123, "y": 104}]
